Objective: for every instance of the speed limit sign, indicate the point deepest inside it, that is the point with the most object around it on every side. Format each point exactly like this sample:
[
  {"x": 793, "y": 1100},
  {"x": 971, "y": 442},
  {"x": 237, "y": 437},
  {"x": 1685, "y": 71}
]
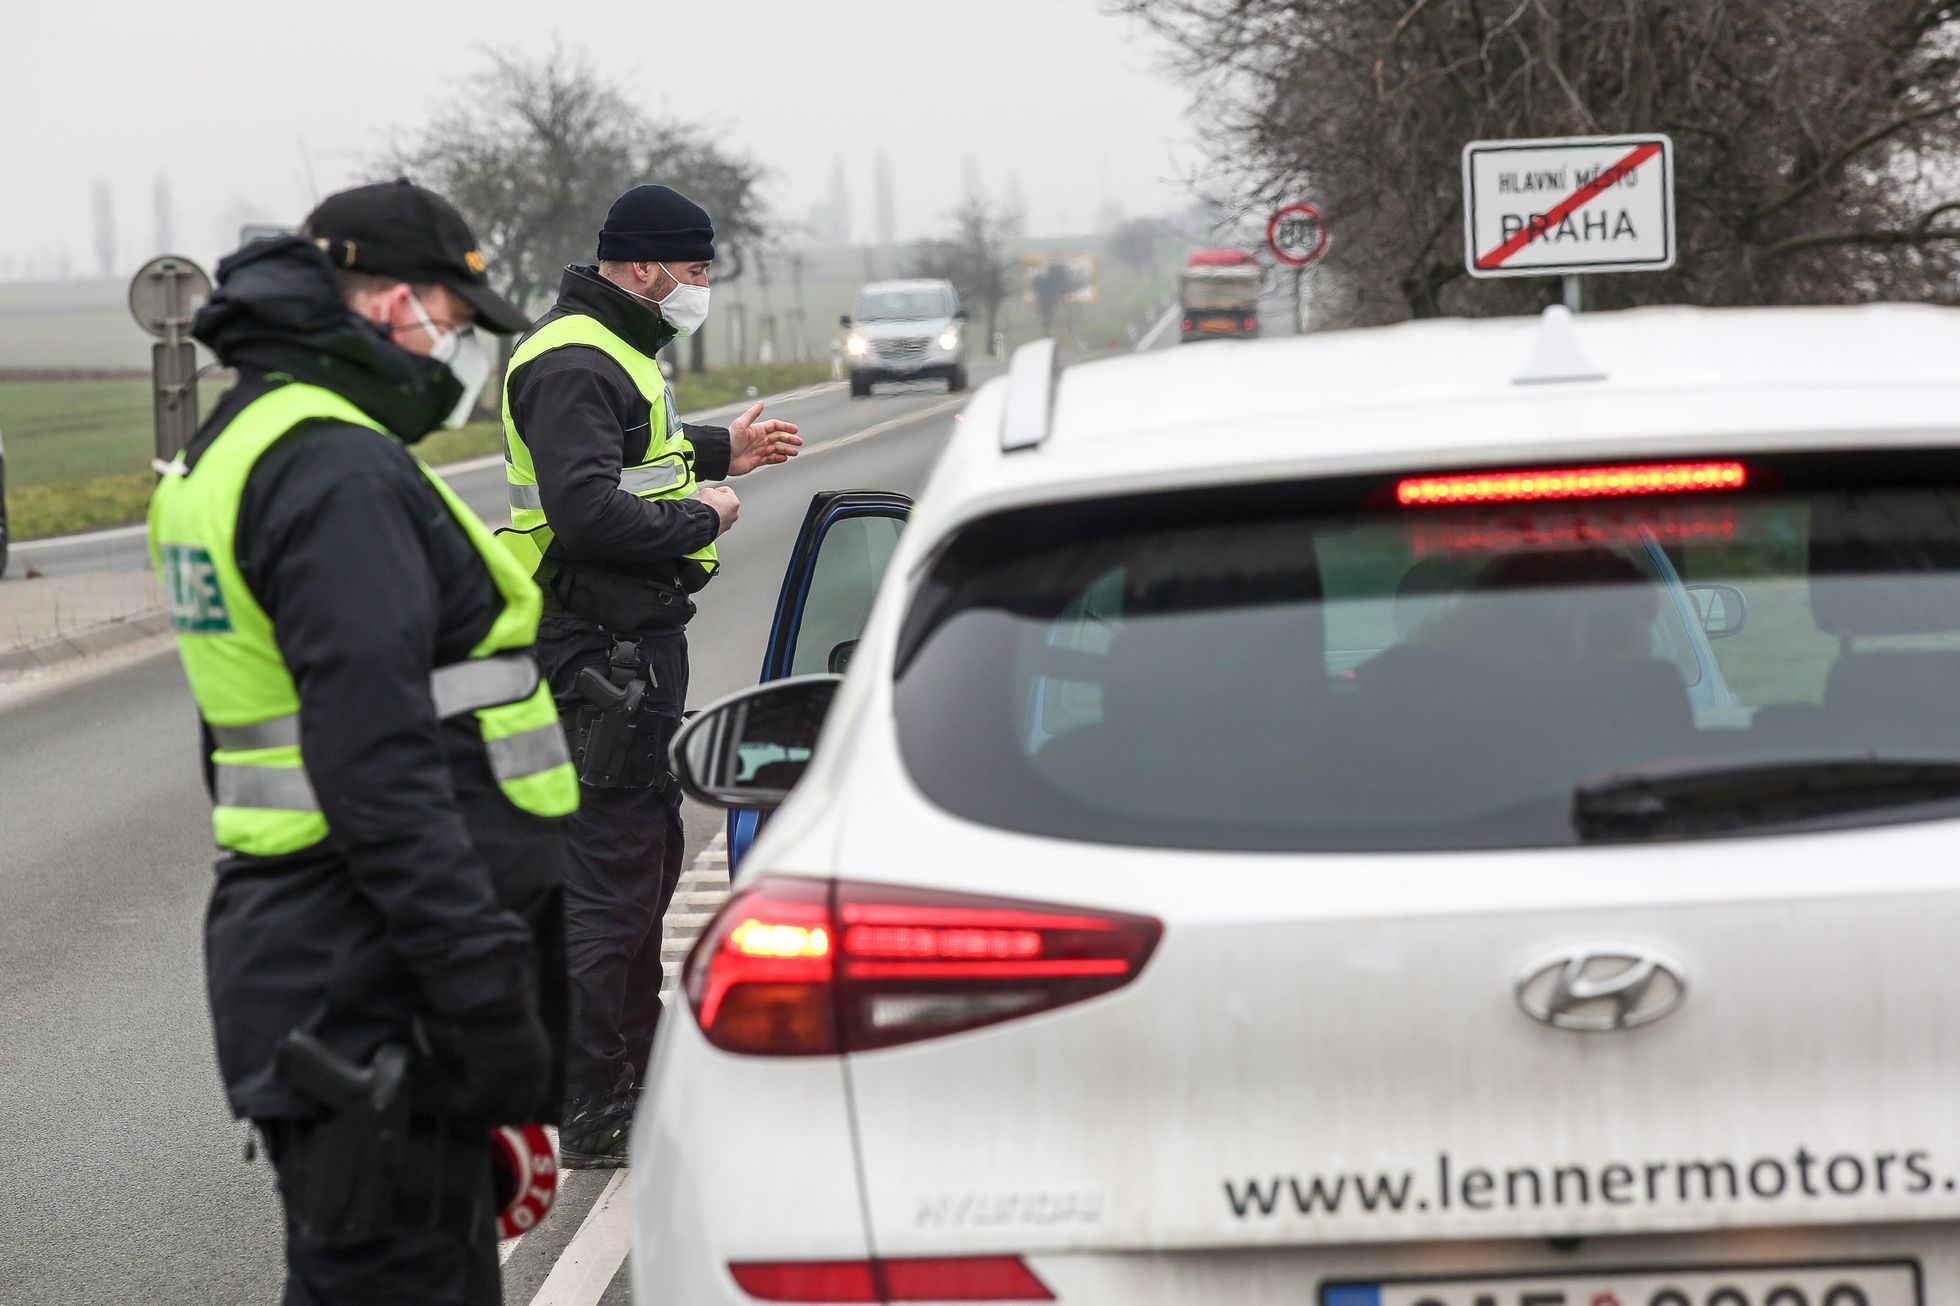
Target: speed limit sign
[{"x": 1297, "y": 235}]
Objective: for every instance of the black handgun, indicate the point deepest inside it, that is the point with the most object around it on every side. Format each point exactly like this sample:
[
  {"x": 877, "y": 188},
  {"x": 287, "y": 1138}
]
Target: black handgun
[
  {"x": 610, "y": 721},
  {"x": 343, "y": 1181}
]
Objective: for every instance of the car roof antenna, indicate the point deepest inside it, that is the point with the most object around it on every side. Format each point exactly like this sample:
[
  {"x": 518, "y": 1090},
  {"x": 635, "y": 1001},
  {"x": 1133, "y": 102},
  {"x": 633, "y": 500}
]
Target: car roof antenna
[{"x": 1556, "y": 354}]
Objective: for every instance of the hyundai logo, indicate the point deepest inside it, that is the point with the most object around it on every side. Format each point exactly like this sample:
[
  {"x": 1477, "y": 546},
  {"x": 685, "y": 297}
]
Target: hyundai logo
[{"x": 1598, "y": 988}]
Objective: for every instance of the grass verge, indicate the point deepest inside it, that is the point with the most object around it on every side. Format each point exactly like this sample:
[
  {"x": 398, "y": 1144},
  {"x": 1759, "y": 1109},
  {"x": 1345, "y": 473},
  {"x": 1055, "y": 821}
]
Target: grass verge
[{"x": 61, "y": 435}]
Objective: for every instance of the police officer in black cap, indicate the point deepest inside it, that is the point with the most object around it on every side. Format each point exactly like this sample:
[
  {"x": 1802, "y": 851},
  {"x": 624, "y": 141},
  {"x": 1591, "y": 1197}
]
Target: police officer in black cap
[
  {"x": 610, "y": 512},
  {"x": 384, "y": 939}
]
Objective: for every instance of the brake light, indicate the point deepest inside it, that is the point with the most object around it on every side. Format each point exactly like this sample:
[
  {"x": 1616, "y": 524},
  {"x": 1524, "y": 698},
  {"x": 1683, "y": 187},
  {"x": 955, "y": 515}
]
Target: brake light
[
  {"x": 796, "y": 967},
  {"x": 939, "y": 1278},
  {"x": 1251, "y": 322},
  {"x": 769, "y": 986},
  {"x": 1571, "y": 483},
  {"x": 1187, "y": 324}
]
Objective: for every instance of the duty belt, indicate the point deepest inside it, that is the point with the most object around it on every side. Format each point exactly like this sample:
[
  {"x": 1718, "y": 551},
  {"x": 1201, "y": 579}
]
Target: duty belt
[{"x": 458, "y": 688}]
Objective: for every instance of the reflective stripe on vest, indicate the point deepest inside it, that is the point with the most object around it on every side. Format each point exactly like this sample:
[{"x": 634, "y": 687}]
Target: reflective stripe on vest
[
  {"x": 665, "y": 469},
  {"x": 538, "y": 749},
  {"x": 457, "y": 688},
  {"x": 265, "y": 804},
  {"x": 649, "y": 480},
  {"x": 278, "y": 788}
]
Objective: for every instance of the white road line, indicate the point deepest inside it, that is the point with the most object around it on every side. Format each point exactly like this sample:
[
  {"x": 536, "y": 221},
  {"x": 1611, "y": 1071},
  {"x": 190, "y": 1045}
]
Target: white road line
[
  {"x": 589, "y": 1262},
  {"x": 884, "y": 426},
  {"x": 586, "y": 1267},
  {"x": 1162, "y": 325},
  {"x": 87, "y": 537}
]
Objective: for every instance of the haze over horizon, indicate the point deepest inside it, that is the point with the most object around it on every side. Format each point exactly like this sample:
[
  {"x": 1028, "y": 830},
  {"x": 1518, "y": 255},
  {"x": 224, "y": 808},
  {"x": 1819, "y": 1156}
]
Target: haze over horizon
[{"x": 1047, "y": 100}]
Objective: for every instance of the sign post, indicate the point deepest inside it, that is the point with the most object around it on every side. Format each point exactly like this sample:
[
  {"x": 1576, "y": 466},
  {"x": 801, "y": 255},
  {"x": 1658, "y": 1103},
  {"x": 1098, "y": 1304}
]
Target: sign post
[
  {"x": 164, "y": 296},
  {"x": 1297, "y": 235},
  {"x": 1564, "y": 206}
]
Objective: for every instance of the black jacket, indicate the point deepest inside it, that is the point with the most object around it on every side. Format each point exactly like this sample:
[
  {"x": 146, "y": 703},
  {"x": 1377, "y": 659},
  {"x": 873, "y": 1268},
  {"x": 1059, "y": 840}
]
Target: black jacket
[
  {"x": 433, "y": 900},
  {"x": 583, "y": 419}
]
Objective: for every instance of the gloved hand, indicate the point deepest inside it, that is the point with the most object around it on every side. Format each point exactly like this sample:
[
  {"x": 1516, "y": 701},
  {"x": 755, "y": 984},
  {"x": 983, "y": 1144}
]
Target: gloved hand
[{"x": 499, "y": 1062}]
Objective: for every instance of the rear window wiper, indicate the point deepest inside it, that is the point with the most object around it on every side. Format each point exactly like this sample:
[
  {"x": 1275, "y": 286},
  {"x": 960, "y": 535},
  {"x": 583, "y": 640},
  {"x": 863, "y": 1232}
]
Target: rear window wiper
[{"x": 1683, "y": 799}]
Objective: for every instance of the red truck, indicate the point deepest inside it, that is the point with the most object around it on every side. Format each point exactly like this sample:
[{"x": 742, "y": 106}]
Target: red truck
[{"x": 1218, "y": 293}]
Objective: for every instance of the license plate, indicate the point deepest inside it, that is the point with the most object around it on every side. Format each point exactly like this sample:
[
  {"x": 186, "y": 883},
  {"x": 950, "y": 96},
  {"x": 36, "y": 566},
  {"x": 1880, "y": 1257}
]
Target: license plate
[
  {"x": 1864, "y": 1283},
  {"x": 1216, "y": 326}
]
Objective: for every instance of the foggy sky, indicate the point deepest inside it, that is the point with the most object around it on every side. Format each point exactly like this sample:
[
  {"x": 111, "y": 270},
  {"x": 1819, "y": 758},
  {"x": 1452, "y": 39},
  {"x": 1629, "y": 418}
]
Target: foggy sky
[{"x": 254, "y": 108}]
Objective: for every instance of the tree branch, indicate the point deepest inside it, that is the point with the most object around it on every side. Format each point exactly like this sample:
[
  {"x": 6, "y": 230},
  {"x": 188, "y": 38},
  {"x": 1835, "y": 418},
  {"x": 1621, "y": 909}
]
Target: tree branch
[
  {"x": 1918, "y": 234},
  {"x": 1843, "y": 156}
]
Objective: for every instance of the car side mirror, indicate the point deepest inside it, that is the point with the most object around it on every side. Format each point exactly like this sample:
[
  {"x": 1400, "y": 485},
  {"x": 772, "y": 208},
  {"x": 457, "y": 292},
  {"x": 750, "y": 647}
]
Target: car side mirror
[
  {"x": 840, "y": 657},
  {"x": 750, "y": 748},
  {"x": 844, "y": 320},
  {"x": 959, "y": 314},
  {"x": 1723, "y": 610}
]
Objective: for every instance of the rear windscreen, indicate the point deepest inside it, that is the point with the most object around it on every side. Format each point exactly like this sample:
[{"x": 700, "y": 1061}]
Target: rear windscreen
[{"x": 1315, "y": 666}]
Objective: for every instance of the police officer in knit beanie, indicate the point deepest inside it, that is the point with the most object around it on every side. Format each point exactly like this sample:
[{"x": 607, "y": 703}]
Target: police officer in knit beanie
[
  {"x": 656, "y": 224},
  {"x": 614, "y": 512}
]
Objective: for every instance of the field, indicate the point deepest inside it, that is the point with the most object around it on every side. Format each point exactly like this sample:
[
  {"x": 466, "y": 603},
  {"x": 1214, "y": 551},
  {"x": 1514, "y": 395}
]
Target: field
[
  {"x": 85, "y": 324},
  {"x": 75, "y": 405},
  {"x": 79, "y": 449},
  {"x": 1130, "y": 299}
]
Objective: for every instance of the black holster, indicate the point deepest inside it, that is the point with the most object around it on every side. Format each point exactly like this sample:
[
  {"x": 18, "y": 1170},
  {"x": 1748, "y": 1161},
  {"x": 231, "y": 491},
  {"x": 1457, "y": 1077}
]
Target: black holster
[
  {"x": 343, "y": 1174},
  {"x": 619, "y": 741}
]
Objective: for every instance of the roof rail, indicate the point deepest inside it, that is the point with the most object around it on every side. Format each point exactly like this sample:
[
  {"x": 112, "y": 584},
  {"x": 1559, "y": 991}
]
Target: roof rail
[
  {"x": 1557, "y": 355},
  {"x": 1031, "y": 380}
]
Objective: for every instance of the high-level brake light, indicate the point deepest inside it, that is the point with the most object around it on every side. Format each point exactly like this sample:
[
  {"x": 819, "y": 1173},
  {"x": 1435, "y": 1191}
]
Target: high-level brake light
[
  {"x": 1571, "y": 483},
  {"x": 934, "y": 1278},
  {"x": 796, "y": 967}
]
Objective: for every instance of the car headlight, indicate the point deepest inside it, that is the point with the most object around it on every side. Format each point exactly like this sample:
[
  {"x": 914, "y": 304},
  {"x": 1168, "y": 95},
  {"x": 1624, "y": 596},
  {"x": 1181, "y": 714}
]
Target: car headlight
[
  {"x": 857, "y": 345},
  {"x": 950, "y": 339}
]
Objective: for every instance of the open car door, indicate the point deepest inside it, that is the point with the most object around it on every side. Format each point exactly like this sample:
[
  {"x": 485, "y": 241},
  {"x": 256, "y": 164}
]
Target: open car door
[{"x": 841, "y": 553}]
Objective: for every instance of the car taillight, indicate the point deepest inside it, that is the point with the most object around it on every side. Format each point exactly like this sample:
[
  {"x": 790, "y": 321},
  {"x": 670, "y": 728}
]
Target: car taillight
[
  {"x": 1187, "y": 324},
  {"x": 1251, "y": 322},
  {"x": 1571, "y": 483},
  {"x": 938, "y": 1278},
  {"x": 799, "y": 967}
]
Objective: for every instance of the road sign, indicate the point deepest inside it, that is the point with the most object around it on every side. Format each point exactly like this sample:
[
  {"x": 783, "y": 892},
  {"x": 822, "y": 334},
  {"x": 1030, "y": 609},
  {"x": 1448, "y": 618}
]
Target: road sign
[
  {"x": 165, "y": 295},
  {"x": 1297, "y": 235},
  {"x": 1078, "y": 281},
  {"x": 1567, "y": 205}
]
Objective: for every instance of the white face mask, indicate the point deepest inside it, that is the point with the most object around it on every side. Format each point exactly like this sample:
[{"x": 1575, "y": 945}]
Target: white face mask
[
  {"x": 685, "y": 306},
  {"x": 462, "y": 352}
]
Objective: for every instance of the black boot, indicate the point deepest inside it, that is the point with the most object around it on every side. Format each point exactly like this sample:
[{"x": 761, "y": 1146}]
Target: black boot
[{"x": 595, "y": 1131}]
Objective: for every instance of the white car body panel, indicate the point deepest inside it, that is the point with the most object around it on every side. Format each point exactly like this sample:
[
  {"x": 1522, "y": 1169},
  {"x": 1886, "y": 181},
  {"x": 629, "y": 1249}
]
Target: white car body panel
[
  {"x": 737, "y": 1166},
  {"x": 1334, "y": 1014}
]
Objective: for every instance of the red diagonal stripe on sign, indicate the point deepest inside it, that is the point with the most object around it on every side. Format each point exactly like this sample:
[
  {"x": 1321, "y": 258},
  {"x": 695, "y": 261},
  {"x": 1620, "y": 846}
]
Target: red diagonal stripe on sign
[{"x": 1570, "y": 204}]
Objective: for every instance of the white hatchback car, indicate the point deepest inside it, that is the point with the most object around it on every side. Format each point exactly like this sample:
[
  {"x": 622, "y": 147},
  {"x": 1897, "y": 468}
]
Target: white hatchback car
[{"x": 1275, "y": 842}]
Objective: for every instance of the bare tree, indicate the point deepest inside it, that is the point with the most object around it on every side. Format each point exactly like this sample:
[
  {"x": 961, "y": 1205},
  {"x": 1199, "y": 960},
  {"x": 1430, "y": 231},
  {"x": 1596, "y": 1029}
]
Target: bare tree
[
  {"x": 975, "y": 257},
  {"x": 536, "y": 159},
  {"x": 1139, "y": 243},
  {"x": 1816, "y": 139}
]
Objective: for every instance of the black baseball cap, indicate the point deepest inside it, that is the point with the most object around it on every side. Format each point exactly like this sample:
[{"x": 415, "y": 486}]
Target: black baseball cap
[{"x": 399, "y": 229}]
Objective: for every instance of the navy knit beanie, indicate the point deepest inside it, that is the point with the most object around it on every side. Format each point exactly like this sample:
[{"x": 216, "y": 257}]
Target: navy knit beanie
[{"x": 654, "y": 224}]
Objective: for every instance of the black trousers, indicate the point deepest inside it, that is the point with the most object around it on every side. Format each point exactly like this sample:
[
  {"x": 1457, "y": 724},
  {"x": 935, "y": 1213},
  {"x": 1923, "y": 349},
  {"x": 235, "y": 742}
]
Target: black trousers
[
  {"x": 626, "y": 860},
  {"x": 626, "y": 848},
  {"x": 446, "y": 1254}
]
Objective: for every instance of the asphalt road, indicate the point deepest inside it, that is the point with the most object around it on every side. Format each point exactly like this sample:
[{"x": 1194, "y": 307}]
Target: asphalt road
[{"x": 123, "y": 1180}]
